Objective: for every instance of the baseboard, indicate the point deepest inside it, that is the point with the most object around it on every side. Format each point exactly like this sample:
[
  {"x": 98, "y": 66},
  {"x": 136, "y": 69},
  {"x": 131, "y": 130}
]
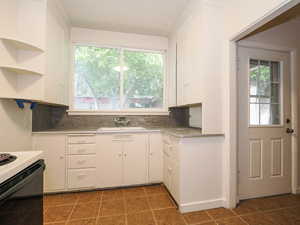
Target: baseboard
[
  {"x": 201, "y": 205},
  {"x": 298, "y": 190}
]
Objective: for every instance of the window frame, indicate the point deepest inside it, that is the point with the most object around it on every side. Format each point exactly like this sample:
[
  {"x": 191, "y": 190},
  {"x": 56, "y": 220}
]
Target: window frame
[
  {"x": 140, "y": 111},
  {"x": 281, "y": 99}
]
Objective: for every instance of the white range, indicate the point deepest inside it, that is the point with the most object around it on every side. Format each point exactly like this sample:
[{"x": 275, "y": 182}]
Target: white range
[{"x": 24, "y": 159}]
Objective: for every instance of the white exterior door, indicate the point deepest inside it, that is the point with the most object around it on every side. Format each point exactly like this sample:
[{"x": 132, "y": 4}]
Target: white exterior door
[{"x": 264, "y": 123}]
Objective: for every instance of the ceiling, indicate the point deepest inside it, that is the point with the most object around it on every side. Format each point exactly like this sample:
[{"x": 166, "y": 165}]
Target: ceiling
[{"x": 153, "y": 17}]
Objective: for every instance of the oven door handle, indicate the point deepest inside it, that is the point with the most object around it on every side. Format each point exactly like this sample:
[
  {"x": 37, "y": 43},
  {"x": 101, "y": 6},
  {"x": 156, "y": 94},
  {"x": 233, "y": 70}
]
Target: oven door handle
[{"x": 13, "y": 189}]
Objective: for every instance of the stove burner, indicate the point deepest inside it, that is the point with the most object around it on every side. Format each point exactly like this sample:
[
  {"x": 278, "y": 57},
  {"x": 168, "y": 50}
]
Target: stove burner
[{"x": 6, "y": 158}]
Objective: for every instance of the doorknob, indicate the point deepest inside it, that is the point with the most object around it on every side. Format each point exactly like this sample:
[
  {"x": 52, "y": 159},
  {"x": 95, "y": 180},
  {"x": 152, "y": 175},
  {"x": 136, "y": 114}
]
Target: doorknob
[{"x": 289, "y": 130}]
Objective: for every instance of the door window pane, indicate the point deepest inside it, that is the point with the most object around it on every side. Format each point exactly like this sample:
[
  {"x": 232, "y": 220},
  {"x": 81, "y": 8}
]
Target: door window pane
[
  {"x": 275, "y": 93},
  {"x": 275, "y": 70},
  {"x": 265, "y": 115},
  {"x": 253, "y": 76},
  {"x": 275, "y": 109},
  {"x": 143, "y": 79},
  {"x": 254, "y": 114},
  {"x": 264, "y": 92}
]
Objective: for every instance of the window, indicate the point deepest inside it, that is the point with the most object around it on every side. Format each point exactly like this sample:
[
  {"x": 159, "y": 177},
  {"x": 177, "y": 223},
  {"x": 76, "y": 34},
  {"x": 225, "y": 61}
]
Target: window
[
  {"x": 265, "y": 92},
  {"x": 118, "y": 79}
]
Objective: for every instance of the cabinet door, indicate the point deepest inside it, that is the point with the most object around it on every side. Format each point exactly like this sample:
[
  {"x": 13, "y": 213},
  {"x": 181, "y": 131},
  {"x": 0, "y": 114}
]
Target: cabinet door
[
  {"x": 166, "y": 169},
  {"x": 135, "y": 159},
  {"x": 109, "y": 160},
  {"x": 155, "y": 158},
  {"x": 53, "y": 147},
  {"x": 174, "y": 180}
]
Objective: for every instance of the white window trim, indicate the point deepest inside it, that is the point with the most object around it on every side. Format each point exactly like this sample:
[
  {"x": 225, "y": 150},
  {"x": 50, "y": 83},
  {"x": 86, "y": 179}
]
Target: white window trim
[{"x": 140, "y": 111}]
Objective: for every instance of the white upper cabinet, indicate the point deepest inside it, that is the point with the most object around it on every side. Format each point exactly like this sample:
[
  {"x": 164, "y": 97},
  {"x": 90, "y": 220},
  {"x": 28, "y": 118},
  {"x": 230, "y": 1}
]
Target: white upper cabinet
[
  {"x": 172, "y": 73},
  {"x": 34, "y": 47},
  {"x": 57, "y": 57},
  {"x": 22, "y": 45},
  {"x": 199, "y": 77}
]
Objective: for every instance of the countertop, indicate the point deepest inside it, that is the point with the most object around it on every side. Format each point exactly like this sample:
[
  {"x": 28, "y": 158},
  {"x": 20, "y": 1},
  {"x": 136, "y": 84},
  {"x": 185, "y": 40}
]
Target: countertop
[
  {"x": 180, "y": 132},
  {"x": 24, "y": 159}
]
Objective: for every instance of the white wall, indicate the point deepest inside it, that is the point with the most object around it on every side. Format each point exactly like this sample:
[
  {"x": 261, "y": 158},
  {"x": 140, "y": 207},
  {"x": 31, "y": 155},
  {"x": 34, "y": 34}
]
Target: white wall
[
  {"x": 15, "y": 127},
  {"x": 241, "y": 14},
  {"x": 16, "y": 124},
  {"x": 108, "y": 38},
  {"x": 237, "y": 16}
]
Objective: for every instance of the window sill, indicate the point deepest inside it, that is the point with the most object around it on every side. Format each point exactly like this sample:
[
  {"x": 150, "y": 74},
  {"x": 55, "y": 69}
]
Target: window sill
[{"x": 120, "y": 113}]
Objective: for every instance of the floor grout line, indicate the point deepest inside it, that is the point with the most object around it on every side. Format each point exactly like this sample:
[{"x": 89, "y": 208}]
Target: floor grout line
[{"x": 147, "y": 196}]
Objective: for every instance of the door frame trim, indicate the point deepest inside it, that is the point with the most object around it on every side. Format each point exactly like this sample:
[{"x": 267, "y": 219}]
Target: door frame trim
[
  {"x": 232, "y": 185},
  {"x": 293, "y": 52}
]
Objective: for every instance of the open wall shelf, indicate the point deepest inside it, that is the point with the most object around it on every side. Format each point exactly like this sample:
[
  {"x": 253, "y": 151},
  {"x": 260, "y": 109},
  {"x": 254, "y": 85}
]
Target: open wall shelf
[
  {"x": 39, "y": 101},
  {"x": 20, "y": 44},
  {"x": 20, "y": 70}
]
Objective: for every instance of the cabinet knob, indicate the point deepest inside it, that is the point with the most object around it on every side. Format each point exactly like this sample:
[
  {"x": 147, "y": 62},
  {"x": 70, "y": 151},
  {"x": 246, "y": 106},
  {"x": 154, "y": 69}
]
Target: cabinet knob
[
  {"x": 81, "y": 176},
  {"x": 61, "y": 157},
  {"x": 81, "y": 161},
  {"x": 125, "y": 154}
]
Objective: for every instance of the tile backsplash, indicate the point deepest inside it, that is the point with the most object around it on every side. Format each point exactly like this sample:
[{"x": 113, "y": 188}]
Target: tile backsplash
[{"x": 46, "y": 117}]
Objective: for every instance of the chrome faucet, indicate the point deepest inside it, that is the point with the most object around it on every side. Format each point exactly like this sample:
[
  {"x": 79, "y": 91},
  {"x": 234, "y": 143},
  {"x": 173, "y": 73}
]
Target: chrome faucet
[{"x": 121, "y": 121}]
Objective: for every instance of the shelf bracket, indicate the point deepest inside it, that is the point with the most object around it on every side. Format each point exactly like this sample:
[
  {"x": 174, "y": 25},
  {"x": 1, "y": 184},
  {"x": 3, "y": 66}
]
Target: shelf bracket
[{"x": 20, "y": 103}]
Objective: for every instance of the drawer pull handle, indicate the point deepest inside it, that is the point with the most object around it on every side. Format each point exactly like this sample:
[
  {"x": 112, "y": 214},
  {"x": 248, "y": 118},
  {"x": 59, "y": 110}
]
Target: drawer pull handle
[
  {"x": 81, "y": 161},
  {"x": 81, "y": 150},
  {"x": 81, "y": 142},
  {"x": 81, "y": 176}
]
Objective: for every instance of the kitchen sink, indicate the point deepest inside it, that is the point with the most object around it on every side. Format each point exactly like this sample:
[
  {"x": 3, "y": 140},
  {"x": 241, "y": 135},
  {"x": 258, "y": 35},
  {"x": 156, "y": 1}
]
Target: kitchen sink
[
  {"x": 120, "y": 129},
  {"x": 133, "y": 128}
]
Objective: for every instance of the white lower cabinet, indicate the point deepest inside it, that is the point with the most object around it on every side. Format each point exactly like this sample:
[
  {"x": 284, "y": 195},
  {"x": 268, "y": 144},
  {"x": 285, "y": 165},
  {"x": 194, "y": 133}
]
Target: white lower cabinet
[
  {"x": 171, "y": 166},
  {"x": 81, "y": 170},
  {"x": 82, "y": 161},
  {"x": 110, "y": 161},
  {"x": 81, "y": 178},
  {"x": 88, "y": 161},
  {"x": 135, "y": 160},
  {"x": 155, "y": 158},
  {"x": 122, "y": 159},
  {"x": 54, "y": 148}
]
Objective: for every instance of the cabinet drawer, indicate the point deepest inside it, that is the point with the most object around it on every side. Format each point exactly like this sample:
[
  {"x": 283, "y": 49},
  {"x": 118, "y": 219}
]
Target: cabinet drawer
[
  {"x": 81, "y": 139},
  {"x": 82, "y": 161},
  {"x": 81, "y": 178},
  {"x": 75, "y": 149},
  {"x": 173, "y": 151}
]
